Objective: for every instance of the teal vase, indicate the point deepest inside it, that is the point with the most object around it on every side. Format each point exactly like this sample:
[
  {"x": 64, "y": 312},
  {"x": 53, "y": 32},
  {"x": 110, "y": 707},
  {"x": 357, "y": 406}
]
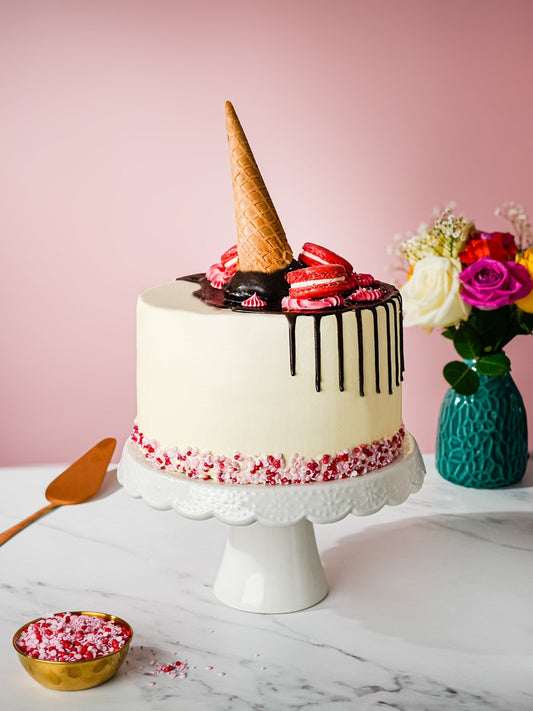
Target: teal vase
[{"x": 482, "y": 438}]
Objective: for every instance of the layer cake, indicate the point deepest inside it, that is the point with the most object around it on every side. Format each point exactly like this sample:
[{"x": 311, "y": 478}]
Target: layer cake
[{"x": 268, "y": 369}]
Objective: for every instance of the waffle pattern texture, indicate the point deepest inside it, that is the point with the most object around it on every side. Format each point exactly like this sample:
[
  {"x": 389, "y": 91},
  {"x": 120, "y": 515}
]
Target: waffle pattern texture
[{"x": 261, "y": 241}]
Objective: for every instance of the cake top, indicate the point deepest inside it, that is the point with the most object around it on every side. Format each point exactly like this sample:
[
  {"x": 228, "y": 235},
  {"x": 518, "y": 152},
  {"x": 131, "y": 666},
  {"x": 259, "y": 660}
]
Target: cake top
[
  {"x": 261, "y": 242},
  {"x": 259, "y": 271}
]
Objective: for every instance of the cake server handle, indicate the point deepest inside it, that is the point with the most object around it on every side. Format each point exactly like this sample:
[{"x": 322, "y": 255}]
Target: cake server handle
[
  {"x": 6, "y": 535},
  {"x": 75, "y": 485}
]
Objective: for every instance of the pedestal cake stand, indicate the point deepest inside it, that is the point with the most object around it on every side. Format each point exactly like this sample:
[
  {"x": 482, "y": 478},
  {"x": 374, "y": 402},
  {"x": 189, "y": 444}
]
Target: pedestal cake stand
[{"x": 271, "y": 562}]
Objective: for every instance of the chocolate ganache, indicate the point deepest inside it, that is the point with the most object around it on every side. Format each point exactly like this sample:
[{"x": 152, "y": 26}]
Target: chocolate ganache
[{"x": 395, "y": 356}]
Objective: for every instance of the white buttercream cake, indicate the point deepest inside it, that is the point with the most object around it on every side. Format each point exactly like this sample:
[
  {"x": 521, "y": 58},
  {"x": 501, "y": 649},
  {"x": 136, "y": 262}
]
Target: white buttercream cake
[
  {"x": 268, "y": 369},
  {"x": 217, "y": 399}
]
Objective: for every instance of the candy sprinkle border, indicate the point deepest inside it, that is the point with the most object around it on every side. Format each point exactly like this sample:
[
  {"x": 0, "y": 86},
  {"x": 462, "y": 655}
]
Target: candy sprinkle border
[{"x": 267, "y": 468}]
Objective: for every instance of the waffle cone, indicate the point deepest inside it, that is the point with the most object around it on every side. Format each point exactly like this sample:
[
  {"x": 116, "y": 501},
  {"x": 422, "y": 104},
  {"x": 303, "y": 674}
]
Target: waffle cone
[{"x": 261, "y": 242}]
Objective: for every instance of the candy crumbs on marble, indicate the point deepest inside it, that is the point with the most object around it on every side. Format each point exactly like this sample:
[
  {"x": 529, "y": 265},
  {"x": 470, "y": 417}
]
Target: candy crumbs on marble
[
  {"x": 68, "y": 637},
  {"x": 174, "y": 670}
]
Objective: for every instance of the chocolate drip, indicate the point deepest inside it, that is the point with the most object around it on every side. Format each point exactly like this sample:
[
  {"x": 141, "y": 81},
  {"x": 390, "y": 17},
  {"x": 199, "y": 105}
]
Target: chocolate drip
[
  {"x": 216, "y": 298},
  {"x": 359, "y": 319},
  {"x": 389, "y": 347},
  {"x": 402, "y": 361},
  {"x": 340, "y": 350},
  {"x": 374, "y": 313},
  {"x": 292, "y": 342},
  {"x": 396, "y": 348},
  {"x": 318, "y": 354}
]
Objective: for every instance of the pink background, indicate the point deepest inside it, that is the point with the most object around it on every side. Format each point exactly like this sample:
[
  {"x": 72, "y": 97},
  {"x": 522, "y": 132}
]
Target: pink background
[{"x": 114, "y": 173}]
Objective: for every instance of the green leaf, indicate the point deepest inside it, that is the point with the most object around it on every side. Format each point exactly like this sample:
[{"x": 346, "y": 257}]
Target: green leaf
[
  {"x": 461, "y": 378},
  {"x": 489, "y": 324},
  {"x": 525, "y": 321},
  {"x": 467, "y": 343},
  {"x": 449, "y": 332},
  {"x": 492, "y": 365}
]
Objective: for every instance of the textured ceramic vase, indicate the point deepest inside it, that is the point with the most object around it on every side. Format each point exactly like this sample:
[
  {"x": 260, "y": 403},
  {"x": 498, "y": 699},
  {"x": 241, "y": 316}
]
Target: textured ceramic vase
[{"x": 482, "y": 438}]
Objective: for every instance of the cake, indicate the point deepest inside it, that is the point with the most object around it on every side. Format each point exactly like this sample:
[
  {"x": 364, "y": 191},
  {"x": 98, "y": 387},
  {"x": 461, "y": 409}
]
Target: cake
[{"x": 266, "y": 368}]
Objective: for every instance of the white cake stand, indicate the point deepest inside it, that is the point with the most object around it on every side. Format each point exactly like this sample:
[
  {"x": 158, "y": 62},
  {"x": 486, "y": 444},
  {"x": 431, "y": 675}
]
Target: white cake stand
[{"x": 271, "y": 562}]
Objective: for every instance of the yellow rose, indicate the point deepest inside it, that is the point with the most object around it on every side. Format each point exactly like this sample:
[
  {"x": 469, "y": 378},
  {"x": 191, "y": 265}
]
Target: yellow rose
[
  {"x": 432, "y": 296},
  {"x": 526, "y": 260}
]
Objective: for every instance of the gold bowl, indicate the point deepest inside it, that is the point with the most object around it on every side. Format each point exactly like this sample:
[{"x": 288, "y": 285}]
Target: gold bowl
[{"x": 75, "y": 675}]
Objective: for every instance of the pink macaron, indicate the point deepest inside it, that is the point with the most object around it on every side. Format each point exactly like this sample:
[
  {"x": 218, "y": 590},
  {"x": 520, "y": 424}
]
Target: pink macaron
[
  {"x": 317, "y": 282},
  {"x": 313, "y": 255}
]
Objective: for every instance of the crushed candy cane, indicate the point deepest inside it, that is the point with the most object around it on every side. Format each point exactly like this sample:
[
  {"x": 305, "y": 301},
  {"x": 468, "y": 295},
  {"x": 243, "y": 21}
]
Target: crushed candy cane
[
  {"x": 68, "y": 637},
  {"x": 270, "y": 469},
  {"x": 175, "y": 669}
]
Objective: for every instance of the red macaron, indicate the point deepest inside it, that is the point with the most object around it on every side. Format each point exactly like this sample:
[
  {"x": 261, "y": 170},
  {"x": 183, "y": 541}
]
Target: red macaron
[
  {"x": 313, "y": 255},
  {"x": 317, "y": 282},
  {"x": 355, "y": 281}
]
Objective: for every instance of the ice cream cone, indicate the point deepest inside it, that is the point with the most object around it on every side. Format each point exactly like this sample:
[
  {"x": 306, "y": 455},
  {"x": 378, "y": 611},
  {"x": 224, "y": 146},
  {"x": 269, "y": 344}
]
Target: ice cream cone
[{"x": 261, "y": 242}]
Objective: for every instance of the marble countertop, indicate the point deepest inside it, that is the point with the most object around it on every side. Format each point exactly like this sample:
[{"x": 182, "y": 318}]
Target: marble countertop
[{"x": 430, "y": 604}]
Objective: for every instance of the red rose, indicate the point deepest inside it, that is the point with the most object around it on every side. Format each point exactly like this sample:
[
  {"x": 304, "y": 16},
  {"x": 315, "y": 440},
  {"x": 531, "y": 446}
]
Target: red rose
[{"x": 496, "y": 245}]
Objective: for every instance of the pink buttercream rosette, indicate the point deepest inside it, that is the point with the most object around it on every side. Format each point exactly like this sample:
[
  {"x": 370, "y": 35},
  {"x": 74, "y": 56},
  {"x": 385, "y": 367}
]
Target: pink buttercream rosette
[{"x": 289, "y": 303}]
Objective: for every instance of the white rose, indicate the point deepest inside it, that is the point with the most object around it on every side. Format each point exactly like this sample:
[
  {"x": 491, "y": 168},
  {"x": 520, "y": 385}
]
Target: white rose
[{"x": 432, "y": 296}]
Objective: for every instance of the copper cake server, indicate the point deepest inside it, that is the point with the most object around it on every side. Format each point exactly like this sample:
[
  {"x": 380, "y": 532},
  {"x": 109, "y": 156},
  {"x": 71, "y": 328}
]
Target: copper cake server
[{"x": 76, "y": 484}]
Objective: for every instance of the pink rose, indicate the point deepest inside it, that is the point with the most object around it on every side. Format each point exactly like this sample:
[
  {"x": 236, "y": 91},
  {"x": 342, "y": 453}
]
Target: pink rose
[{"x": 489, "y": 284}]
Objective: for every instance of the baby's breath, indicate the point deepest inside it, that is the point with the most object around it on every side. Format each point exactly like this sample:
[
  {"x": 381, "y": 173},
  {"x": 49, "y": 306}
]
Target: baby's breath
[
  {"x": 446, "y": 237},
  {"x": 517, "y": 216}
]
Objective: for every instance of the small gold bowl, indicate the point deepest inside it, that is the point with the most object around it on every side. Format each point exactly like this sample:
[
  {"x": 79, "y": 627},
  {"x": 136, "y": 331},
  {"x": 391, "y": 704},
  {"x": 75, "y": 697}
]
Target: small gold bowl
[{"x": 76, "y": 675}]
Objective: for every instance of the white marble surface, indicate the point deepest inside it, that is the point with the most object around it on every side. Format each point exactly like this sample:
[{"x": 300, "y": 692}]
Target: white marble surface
[{"x": 430, "y": 604}]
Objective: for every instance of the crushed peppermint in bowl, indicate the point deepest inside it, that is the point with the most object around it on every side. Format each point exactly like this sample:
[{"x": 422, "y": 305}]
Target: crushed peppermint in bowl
[{"x": 70, "y": 651}]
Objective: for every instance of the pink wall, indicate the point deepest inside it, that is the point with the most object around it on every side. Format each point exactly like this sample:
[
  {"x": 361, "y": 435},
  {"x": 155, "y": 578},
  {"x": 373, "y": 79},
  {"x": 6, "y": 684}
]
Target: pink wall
[{"x": 115, "y": 177}]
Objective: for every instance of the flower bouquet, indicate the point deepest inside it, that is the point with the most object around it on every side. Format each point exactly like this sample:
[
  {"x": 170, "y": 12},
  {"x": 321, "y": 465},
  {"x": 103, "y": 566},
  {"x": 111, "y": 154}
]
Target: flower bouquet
[{"x": 477, "y": 286}]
